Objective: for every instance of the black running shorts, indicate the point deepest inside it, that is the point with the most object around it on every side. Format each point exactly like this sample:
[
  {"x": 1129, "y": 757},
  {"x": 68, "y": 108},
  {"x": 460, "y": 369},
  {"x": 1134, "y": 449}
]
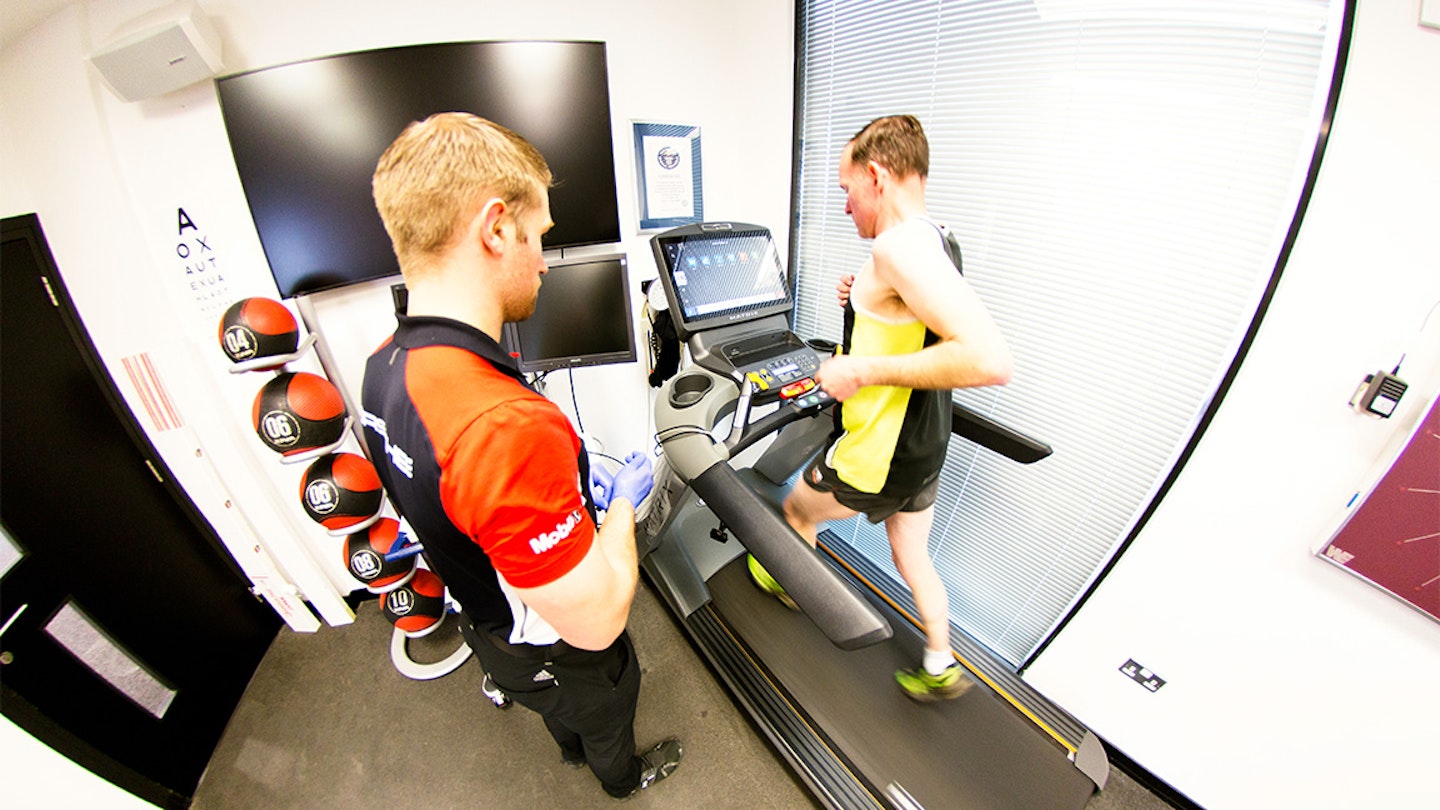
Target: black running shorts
[{"x": 876, "y": 507}]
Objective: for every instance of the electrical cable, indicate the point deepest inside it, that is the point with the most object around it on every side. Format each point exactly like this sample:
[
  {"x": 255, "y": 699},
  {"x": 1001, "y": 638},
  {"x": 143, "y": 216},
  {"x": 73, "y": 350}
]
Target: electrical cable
[
  {"x": 575, "y": 401},
  {"x": 681, "y": 430},
  {"x": 593, "y": 453},
  {"x": 1418, "y": 333}
]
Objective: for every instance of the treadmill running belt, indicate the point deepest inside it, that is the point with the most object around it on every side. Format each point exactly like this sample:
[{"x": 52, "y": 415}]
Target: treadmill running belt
[{"x": 972, "y": 752}]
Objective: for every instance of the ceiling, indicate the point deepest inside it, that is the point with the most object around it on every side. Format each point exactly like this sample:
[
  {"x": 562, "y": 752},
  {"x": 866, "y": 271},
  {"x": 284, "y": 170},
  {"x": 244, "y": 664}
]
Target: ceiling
[{"x": 17, "y": 17}]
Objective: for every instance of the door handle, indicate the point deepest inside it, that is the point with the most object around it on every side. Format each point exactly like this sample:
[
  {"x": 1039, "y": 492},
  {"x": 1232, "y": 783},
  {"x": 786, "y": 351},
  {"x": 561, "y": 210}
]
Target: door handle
[
  {"x": 7, "y": 657},
  {"x": 13, "y": 617}
]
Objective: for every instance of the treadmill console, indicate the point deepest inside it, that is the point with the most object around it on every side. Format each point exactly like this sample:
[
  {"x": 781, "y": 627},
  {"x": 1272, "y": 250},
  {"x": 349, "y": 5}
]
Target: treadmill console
[
  {"x": 783, "y": 368},
  {"x": 730, "y": 299}
]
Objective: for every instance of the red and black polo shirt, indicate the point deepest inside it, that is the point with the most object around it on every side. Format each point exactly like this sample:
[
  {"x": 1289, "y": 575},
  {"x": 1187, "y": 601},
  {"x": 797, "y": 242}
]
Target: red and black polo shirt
[{"x": 485, "y": 470}]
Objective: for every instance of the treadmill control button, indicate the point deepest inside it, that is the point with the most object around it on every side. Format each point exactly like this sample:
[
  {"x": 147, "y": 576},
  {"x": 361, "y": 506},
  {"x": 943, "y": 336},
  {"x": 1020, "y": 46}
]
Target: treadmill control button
[{"x": 795, "y": 389}]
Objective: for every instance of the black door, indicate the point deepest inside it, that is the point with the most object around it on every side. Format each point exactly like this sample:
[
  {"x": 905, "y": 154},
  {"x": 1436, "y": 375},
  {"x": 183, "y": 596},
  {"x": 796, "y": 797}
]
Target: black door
[{"x": 129, "y": 633}]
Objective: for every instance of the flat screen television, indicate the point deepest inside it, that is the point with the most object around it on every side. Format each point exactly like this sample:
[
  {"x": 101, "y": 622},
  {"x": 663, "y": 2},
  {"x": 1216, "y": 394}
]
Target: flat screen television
[
  {"x": 720, "y": 273},
  {"x": 306, "y": 137},
  {"x": 582, "y": 318}
]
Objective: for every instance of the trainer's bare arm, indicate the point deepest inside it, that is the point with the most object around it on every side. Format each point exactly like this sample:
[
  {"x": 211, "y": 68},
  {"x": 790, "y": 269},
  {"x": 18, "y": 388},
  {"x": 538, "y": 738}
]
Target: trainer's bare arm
[
  {"x": 971, "y": 351},
  {"x": 590, "y": 605}
]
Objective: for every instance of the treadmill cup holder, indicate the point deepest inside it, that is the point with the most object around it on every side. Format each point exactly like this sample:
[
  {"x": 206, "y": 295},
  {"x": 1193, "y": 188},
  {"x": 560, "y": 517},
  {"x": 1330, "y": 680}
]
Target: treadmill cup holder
[
  {"x": 689, "y": 389},
  {"x": 823, "y": 347}
]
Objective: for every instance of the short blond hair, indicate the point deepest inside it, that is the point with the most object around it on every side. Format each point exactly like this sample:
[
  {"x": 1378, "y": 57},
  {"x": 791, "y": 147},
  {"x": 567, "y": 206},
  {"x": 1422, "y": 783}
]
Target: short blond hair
[{"x": 438, "y": 173}]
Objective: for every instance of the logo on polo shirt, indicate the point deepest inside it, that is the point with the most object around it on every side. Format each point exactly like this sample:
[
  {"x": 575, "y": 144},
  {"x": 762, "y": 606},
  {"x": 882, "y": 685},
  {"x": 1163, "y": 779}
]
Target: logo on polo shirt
[
  {"x": 547, "y": 540},
  {"x": 398, "y": 457}
]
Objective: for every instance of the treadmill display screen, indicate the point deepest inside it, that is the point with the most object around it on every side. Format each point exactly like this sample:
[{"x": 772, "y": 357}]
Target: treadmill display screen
[{"x": 721, "y": 275}]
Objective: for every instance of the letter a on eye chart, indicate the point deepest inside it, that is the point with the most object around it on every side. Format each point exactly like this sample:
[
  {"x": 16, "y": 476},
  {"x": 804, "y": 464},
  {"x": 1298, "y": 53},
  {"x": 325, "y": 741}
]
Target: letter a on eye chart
[{"x": 209, "y": 290}]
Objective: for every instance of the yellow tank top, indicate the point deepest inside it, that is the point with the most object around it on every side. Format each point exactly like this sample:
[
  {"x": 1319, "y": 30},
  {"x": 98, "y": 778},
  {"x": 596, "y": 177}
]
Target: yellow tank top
[
  {"x": 874, "y": 418},
  {"x": 893, "y": 440}
]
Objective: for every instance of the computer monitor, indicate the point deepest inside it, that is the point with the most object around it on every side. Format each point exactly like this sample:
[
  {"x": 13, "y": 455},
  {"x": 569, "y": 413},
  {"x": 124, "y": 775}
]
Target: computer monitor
[
  {"x": 719, "y": 274},
  {"x": 582, "y": 318}
]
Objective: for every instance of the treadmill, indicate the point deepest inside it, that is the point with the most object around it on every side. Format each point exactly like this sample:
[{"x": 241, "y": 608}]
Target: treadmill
[{"x": 819, "y": 682}]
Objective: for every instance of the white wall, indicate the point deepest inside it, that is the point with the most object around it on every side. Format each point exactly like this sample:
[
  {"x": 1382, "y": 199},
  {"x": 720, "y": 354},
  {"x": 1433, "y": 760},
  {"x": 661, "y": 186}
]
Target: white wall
[
  {"x": 1289, "y": 682},
  {"x": 107, "y": 179}
]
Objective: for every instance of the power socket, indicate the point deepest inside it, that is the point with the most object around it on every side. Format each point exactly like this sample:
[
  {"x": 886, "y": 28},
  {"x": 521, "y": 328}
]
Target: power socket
[
  {"x": 1142, "y": 676},
  {"x": 1379, "y": 394}
]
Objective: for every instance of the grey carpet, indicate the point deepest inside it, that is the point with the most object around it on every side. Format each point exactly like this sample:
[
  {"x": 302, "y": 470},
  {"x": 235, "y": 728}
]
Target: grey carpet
[{"x": 328, "y": 722}]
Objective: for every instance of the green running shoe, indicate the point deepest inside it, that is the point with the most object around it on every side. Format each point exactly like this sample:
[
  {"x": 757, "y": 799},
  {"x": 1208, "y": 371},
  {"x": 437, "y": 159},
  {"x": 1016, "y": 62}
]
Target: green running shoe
[
  {"x": 767, "y": 583},
  {"x": 917, "y": 684}
]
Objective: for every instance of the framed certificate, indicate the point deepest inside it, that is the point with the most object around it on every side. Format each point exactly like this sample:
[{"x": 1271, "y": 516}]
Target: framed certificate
[{"x": 668, "y": 171}]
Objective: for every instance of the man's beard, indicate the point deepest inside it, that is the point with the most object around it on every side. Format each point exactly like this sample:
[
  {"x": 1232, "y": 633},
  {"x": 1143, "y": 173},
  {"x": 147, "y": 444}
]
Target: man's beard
[{"x": 521, "y": 310}]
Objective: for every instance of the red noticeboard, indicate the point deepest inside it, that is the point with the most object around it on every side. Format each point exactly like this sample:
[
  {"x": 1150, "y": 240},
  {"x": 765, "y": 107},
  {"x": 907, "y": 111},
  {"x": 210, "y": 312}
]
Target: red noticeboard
[{"x": 1392, "y": 539}]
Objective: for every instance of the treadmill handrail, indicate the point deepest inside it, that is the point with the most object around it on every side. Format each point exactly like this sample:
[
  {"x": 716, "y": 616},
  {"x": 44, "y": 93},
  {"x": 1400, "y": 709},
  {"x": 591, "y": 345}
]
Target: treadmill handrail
[
  {"x": 993, "y": 435},
  {"x": 688, "y": 405},
  {"x": 846, "y": 617},
  {"x": 766, "y": 425},
  {"x": 965, "y": 423}
]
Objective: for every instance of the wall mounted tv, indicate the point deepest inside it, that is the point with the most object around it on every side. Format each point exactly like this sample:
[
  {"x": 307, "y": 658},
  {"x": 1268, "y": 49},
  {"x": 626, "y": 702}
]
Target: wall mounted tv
[{"x": 306, "y": 137}]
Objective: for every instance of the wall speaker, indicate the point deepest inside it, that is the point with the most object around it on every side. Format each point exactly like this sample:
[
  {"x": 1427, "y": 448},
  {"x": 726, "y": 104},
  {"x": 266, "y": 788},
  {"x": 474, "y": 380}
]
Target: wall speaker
[{"x": 165, "y": 50}]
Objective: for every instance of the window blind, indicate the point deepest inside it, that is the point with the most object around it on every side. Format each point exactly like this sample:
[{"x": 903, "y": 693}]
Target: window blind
[{"x": 1122, "y": 175}]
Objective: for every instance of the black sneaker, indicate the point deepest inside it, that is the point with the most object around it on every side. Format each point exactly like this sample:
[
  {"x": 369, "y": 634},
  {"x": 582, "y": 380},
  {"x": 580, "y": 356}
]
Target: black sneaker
[{"x": 658, "y": 763}]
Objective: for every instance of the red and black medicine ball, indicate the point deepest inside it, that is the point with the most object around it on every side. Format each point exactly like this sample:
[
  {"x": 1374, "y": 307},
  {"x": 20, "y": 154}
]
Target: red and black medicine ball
[
  {"x": 254, "y": 329},
  {"x": 365, "y": 557},
  {"x": 297, "y": 412},
  {"x": 341, "y": 492},
  {"x": 418, "y": 606}
]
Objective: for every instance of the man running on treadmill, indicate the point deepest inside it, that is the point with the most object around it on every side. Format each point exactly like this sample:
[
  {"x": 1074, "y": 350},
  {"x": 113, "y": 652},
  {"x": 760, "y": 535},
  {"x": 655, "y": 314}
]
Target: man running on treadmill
[{"x": 914, "y": 330}]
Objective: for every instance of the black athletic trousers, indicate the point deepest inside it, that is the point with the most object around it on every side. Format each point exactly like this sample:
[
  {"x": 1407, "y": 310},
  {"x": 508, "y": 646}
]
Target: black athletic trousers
[{"x": 587, "y": 699}]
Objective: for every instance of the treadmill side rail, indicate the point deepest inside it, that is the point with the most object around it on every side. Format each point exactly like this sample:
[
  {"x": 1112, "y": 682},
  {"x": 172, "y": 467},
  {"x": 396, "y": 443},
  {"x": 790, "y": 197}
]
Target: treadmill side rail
[
  {"x": 990, "y": 434},
  {"x": 846, "y": 617},
  {"x": 686, "y": 410}
]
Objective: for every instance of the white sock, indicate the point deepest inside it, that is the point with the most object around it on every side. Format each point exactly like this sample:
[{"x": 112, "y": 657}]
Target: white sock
[{"x": 936, "y": 661}]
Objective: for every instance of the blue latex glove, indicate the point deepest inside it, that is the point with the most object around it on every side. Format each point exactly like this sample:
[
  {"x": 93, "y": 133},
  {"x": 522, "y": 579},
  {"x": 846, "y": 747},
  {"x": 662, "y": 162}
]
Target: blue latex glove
[
  {"x": 633, "y": 481},
  {"x": 601, "y": 480}
]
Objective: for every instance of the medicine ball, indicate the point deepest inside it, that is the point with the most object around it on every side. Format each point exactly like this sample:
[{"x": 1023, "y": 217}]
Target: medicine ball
[
  {"x": 365, "y": 557},
  {"x": 341, "y": 491},
  {"x": 418, "y": 606},
  {"x": 297, "y": 412},
  {"x": 256, "y": 329}
]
